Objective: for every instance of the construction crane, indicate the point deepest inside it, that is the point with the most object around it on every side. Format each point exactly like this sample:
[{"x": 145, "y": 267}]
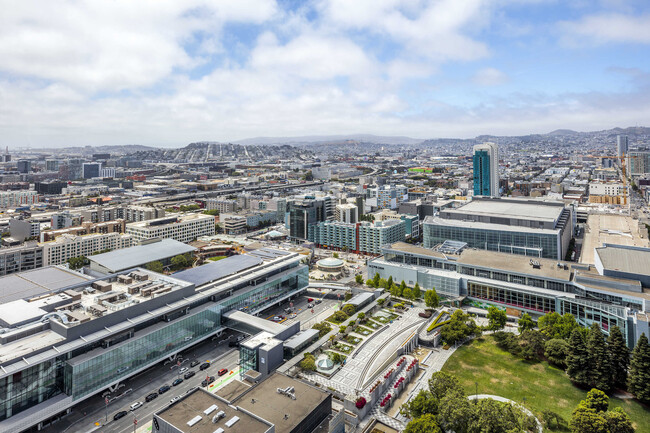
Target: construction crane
[{"x": 622, "y": 159}]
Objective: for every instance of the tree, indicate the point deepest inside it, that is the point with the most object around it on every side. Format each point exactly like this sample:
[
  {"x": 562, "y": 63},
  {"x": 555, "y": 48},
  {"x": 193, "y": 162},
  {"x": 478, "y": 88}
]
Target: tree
[
  {"x": 556, "y": 350},
  {"x": 370, "y": 283},
  {"x": 455, "y": 411},
  {"x": 618, "y": 421},
  {"x": 375, "y": 280},
  {"x": 362, "y": 316},
  {"x": 323, "y": 328},
  {"x": 308, "y": 362},
  {"x": 638, "y": 377},
  {"x": 180, "y": 261},
  {"x": 526, "y": 323},
  {"x": 342, "y": 329},
  {"x": 587, "y": 420},
  {"x": 555, "y": 326},
  {"x": 422, "y": 404},
  {"x": 402, "y": 287},
  {"x": 417, "y": 292},
  {"x": 339, "y": 316},
  {"x": 77, "y": 262},
  {"x": 335, "y": 255},
  {"x": 497, "y": 318},
  {"x": 532, "y": 345},
  {"x": 381, "y": 301},
  {"x": 349, "y": 309},
  {"x": 425, "y": 424},
  {"x": 577, "y": 360},
  {"x": 155, "y": 266},
  {"x": 347, "y": 297},
  {"x": 597, "y": 400},
  {"x": 460, "y": 326},
  {"x": 495, "y": 417},
  {"x": 442, "y": 383},
  {"x": 359, "y": 279},
  {"x": 407, "y": 293},
  {"x": 619, "y": 356},
  {"x": 600, "y": 374},
  {"x": 390, "y": 281},
  {"x": 431, "y": 298}
]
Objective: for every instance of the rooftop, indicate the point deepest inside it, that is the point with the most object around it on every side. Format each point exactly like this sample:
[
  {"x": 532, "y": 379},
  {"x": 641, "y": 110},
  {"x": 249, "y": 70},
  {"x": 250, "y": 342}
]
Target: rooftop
[
  {"x": 610, "y": 229},
  {"x": 486, "y": 226},
  {"x": 509, "y": 208},
  {"x": 631, "y": 260},
  {"x": 132, "y": 257},
  {"x": 409, "y": 248},
  {"x": 194, "y": 406},
  {"x": 213, "y": 271},
  {"x": 37, "y": 282},
  {"x": 273, "y": 406}
]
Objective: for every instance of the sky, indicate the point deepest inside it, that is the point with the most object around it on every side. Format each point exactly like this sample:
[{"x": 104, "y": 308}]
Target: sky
[{"x": 169, "y": 72}]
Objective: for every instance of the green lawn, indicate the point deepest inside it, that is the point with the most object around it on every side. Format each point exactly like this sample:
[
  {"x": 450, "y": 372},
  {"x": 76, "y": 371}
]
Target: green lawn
[
  {"x": 544, "y": 387},
  {"x": 216, "y": 258}
]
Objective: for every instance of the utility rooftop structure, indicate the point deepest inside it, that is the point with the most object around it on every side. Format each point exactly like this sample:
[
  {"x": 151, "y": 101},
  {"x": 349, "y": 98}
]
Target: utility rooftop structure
[
  {"x": 528, "y": 227},
  {"x": 75, "y": 337}
]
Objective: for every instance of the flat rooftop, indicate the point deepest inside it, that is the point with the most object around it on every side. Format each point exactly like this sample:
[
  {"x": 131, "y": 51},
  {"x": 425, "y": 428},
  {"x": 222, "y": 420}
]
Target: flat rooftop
[
  {"x": 213, "y": 271},
  {"x": 194, "y": 405},
  {"x": 521, "y": 209},
  {"x": 37, "y": 282},
  {"x": 272, "y": 406},
  {"x": 629, "y": 260},
  {"x": 27, "y": 345},
  {"x": 259, "y": 323},
  {"x": 610, "y": 229},
  {"x": 127, "y": 258},
  {"x": 515, "y": 263},
  {"x": 409, "y": 248}
]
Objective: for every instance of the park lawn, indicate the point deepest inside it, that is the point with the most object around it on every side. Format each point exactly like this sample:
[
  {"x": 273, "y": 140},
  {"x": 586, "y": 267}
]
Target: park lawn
[
  {"x": 216, "y": 258},
  {"x": 545, "y": 387}
]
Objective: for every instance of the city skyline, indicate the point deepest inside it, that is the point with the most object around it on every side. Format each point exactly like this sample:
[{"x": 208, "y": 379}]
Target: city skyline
[{"x": 166, "y": 73}]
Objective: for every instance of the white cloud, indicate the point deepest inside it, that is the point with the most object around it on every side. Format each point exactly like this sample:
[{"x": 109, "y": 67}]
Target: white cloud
[
  {"x": 490, "y": 77},
  {"x": 111, "y": 45},
  {"x": 613, "y": 27}
]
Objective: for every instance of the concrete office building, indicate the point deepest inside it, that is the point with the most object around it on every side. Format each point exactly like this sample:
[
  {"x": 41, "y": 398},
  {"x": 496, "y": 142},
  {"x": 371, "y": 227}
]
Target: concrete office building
[
  {"x": 185, "y": 228},
  {"x": 67, "y": 246},
  {"x": 528, "y": 227},
  {"x": 24, "y": 166},
  {"x": 621, "y": 145},
  {"x": 52, "y": 164},
  {"x": 15, "y": 199},
  {"x": 412, "y": 226},
  {"x": 347, "y": 213},
  {"x": 593, "y": 294},
  {"x": 486, "y": 170},
  {"x": 91, "y": 169},
  {"x": 222, "y": 205},
  {"x": 638, "y": 163},
  {"x": 21, "y": 229},
  {"x": 21, "y": 258},
  {"x": 307, "y": 211},
  {"x": 100, "y": 332},
  {"x": 65, "y": 219},
  {"x": 86, "y": 228}
]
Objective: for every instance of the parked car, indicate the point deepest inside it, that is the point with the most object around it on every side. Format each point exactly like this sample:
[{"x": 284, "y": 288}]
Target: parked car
[
  {"x": 194, "y": 363},
  {"x": 222, "y": 372},
  {"x": 233, "y": 344},
  {"x": 310, "y": 306},
  {"x": 120, "y": 414},
  {"x": 177, "y": 382},
  {"x": 189, "y": 374},
  {"x": 277, "y": 318},
  {"x": 178, "y": 397},
  {"x": 151, "y": 397},
  {"x": 183, "y": 370},
  {"x": 208, "y": 381},
  {"x": 204, "y": 366},
  {"x": 163, "y": 389},
  {"x": 135, "y": 405},
  {"x": 310, "y": 300},
  {"x": 318, "y": 301}
]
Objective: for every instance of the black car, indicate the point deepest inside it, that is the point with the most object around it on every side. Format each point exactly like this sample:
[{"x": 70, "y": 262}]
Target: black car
[
  {"x": 177, "y": 382},
  {"x": 189, "y": 374},
  {"x": 207, "y": 381},
  {"x": 233, "y": 344},
  {"x": 204, "y": 366},
  {"x": 151, "y": 396},
  {"x": 194, "y": 363},
  {"x": 163, "y": 389},
  {"x": 120, "y": 414}
]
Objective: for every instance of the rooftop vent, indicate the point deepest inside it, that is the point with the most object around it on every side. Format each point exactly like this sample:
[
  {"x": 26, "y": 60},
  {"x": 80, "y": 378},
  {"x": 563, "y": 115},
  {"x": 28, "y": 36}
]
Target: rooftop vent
[
  {"x": 194, "y": 420},
  {"x": 211, "y": 409},
  {"x": 231, "y": 422}
]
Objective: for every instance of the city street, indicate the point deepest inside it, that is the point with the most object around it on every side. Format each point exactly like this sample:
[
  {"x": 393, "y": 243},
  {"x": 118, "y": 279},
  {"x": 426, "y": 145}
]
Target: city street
[{"x": 149, "y": 381}]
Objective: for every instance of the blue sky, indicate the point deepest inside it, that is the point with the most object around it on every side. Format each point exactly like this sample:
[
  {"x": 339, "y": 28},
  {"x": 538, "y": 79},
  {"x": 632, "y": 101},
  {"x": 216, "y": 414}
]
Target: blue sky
[{"x": 163, "y": 72}]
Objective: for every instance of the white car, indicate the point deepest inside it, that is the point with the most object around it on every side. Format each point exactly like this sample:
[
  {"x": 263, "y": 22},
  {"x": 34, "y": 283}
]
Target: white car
[
  {"x": 183, "y": 370},
  {"x": 135, "y": 405},
  {"x": 178, "y": 397}
]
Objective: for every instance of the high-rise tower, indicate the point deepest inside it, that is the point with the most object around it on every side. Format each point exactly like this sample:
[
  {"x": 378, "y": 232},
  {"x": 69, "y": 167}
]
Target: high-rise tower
[{"x": 486, "y": 169}]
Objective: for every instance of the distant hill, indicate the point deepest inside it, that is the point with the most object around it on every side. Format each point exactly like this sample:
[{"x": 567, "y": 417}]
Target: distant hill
[
  {"x": 334, "y": 139},
  {"x": 563, "y": 132}
]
